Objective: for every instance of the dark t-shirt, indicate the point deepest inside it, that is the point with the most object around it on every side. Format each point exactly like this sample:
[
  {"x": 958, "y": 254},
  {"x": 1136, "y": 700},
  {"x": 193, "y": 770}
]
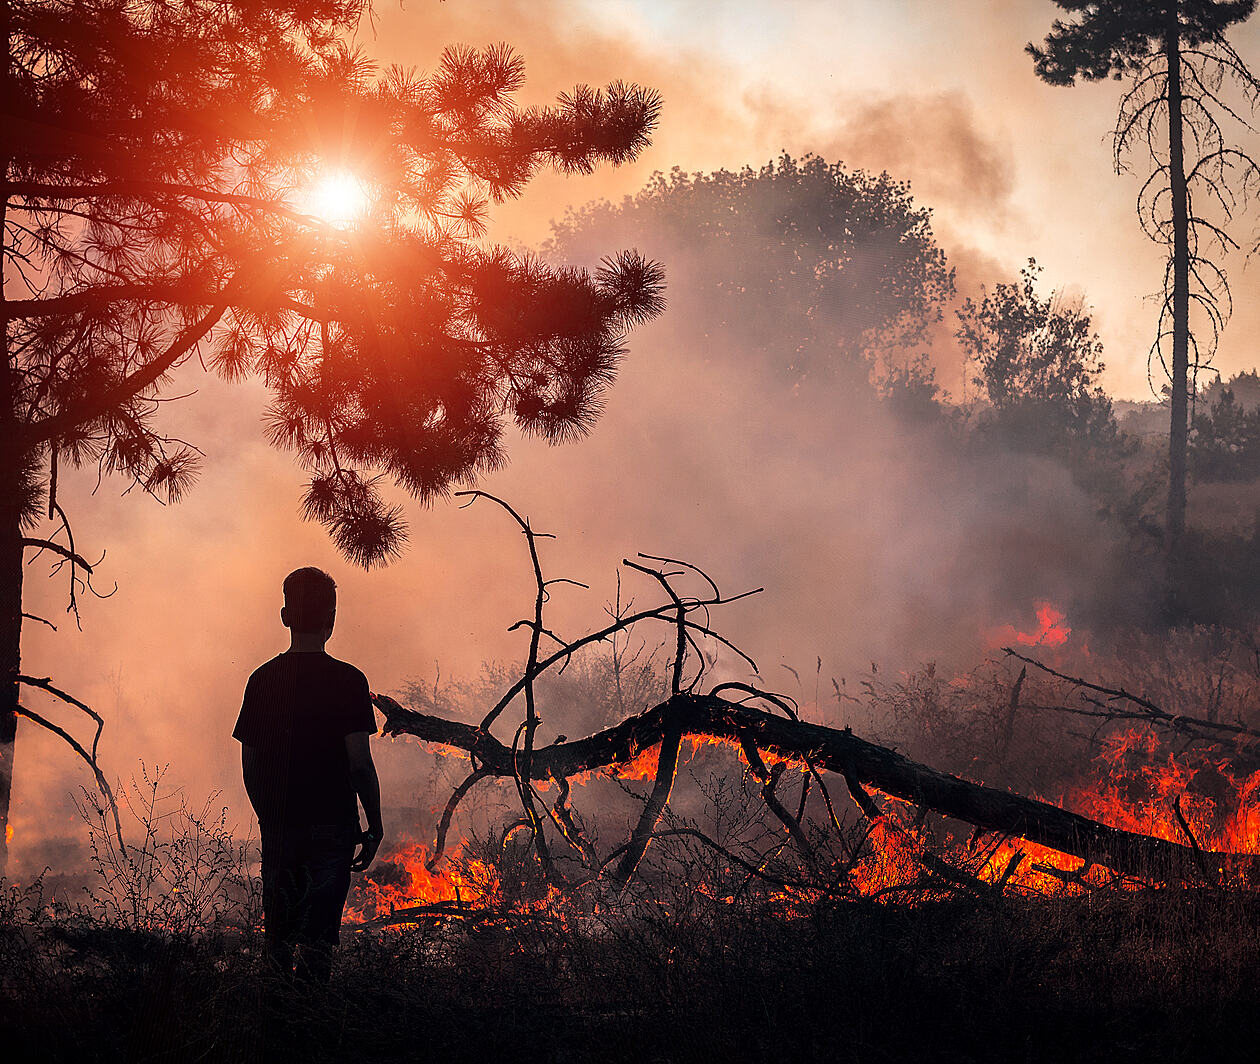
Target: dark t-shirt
[{"x": 298, "y": 710}]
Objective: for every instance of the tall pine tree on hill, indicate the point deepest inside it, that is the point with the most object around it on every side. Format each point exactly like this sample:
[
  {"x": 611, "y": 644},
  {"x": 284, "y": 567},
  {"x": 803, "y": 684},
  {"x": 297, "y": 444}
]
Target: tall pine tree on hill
[{"x": 1179, "y": 65}]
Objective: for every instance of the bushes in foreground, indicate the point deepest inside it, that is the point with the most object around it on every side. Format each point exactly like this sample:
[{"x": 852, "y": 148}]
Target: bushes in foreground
[{"x": 1112, "y": 976}]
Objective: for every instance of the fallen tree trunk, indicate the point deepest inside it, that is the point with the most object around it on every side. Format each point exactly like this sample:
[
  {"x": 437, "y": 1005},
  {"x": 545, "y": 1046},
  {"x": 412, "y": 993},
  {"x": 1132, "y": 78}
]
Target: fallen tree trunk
[{"x": 841, "y": 752}]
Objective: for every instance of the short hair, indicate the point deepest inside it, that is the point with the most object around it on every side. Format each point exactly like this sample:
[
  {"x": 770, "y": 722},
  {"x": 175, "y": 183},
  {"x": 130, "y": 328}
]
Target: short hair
[{"x": 310, "y": 595}]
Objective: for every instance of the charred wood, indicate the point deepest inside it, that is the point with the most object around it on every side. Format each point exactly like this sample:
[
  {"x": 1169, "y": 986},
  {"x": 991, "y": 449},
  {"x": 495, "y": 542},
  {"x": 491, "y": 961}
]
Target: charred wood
[{"x": 829, "y": 749}]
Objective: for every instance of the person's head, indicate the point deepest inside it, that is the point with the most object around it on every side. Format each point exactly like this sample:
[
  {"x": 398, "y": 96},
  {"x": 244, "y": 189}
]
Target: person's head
[{"x": 310, "y": 602}]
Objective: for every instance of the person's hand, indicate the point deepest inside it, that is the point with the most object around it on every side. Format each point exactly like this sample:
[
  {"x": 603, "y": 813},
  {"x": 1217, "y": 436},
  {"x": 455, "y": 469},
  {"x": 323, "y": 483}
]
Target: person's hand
[{"x": 369, "y": 842}]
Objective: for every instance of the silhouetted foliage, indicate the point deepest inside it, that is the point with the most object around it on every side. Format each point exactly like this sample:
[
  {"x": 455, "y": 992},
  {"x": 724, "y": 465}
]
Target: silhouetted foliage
[
  {"x": 1244, "y": 385},
  {"x": 1225, "y": 443},
  {"x": 816, "y": 268},
  {"x": 158, "y": 162},
  {"x": 910, "y": 389},
  {"x": 1038, "y": 363},
  {"x": 395, "y": 346}
]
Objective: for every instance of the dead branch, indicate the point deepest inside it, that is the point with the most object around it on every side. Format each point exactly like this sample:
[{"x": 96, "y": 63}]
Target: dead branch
[
  {"x": 832, "y": 750},
  {"x": 522, "y": 764},
  {"x": 1011, "y": 709},
  {"x": 45, "y": 684},
  {"x": 89, "y": 758},
  {"x": 666, "y": 770},
  {"x": 1194, "y": 843},
  {"x": 694, "y": 833},
  {"x": 1143, "y": 708},
  {"x": 444, "y": 825},
  {"x": 65, "y": 553},
  {"x": 776, "y": 730},
  {"x": 769, "y": 780},
  {"x": 622, "y": 624}
]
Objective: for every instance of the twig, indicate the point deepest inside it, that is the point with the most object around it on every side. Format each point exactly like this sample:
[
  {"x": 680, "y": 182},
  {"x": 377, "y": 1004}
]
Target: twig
[
  {"x": 769, "y": 780},
  {"x": 666, "y": 769},
  {"x": 444, "y": 825},
  {"x": 1194, "y": 843},
  {"x": 1150, "y": 711},
  {"x": 716, "y": 846},
  {"x": 90, "y": 759},
  {"x": 44, "y": 684}
]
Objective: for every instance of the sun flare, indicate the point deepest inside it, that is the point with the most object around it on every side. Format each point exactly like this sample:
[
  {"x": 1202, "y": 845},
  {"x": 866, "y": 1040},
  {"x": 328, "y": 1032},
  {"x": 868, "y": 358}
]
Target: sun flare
[{"x": 338, "y": 198}]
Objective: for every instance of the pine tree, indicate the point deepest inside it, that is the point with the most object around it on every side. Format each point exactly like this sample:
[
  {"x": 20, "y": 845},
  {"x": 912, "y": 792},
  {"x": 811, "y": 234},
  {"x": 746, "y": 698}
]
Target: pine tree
[
  {"x": 1177, "y": 60},
  {"x": 157, "y": 161}
]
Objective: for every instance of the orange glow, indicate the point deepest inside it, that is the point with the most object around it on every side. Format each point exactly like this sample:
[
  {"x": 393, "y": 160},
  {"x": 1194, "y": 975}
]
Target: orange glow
[
  {"x": 403, "y": 881},
  {"x": 1138, "y": 782},
  {"x": 8, "y": 834},
  {"x": 337, "y": 197},
  {"x": 1051, "y": 630}
]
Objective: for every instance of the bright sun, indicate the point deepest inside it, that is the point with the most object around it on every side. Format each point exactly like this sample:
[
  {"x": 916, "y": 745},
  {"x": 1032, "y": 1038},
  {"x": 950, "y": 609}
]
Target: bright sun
[{"x": 339, "y": 198}]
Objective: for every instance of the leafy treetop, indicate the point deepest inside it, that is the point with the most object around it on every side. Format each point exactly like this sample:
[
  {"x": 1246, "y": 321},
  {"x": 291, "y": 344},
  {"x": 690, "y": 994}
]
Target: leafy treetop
[
  {"x": 1038, "y": 362},
  {"x": 814, "y": 267},
  {"x": 1114, "y": 38}
]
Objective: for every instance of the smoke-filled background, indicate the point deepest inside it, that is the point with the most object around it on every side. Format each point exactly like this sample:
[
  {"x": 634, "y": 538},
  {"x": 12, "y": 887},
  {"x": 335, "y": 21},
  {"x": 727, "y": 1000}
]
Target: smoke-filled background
[{"x": 876, "y": 540}]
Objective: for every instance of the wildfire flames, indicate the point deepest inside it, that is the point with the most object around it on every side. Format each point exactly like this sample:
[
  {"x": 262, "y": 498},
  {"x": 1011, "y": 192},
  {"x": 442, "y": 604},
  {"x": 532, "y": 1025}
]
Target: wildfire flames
[
  {"x": 1136, "y": 793},
  {"x": 1051, "y": 630},
  {"x": 1136, "y": 784},
  {"x": 403, "y": 881}
]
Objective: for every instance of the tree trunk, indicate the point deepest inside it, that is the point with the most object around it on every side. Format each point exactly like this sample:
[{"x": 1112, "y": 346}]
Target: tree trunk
[
  {"x": 841, "y": 752},
  {"x": 1179, "y": 428},
  {"x": 10, "y": 643},
  {"x": 11, "y": 496}
]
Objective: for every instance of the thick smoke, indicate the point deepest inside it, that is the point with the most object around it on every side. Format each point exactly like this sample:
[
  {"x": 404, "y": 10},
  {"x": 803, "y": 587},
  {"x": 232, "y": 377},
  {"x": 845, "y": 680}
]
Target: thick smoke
[
  {"x": 873, "y": 541},
  {"x": 874, "y": 538}
]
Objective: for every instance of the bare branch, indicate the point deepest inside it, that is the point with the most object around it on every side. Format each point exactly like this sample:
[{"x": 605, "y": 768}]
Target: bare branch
[
  {"x": 90, "y": 759},
  {"x": 56, "y": 548}
]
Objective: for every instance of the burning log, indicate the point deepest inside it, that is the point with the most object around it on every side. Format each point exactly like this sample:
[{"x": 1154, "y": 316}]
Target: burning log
[
  {"x": 780, "y": 734},
  {"x": 830, "y": 749}
]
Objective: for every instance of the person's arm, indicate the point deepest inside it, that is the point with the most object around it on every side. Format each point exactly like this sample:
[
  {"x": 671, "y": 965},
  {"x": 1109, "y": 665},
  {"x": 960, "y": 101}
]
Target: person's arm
[
  {"x": 368, "y": 787},
  {"x": 251, "y": 769}
]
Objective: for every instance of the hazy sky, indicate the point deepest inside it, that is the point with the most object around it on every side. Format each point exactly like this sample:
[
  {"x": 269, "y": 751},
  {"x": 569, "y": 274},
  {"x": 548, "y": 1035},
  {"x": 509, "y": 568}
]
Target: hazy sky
[
  {"x": 856, "y": 565},
  {"x": 938, "y": 92}
]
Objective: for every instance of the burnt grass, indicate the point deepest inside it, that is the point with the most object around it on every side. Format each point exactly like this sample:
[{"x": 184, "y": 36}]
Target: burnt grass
[{"x": 1115, "y": 976}]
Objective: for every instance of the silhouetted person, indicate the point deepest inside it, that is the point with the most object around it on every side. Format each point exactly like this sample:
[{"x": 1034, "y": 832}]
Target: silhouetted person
[{"x": 304, "y": 728}]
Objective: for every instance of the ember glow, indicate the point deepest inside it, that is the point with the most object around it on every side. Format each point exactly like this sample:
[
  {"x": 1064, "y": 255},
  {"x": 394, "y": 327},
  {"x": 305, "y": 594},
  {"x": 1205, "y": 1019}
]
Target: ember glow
[
  {"x": 402, "y": 885},
  {"x": 1051, "y": 630},
  {"x": 403, "y": 881}
]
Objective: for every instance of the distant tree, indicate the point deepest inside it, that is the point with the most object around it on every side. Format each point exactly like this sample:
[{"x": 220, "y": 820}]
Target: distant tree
[
  {"x": 1038, "y": 363},
  {"x": 816, "y": 269},
  {"x": 910, "y": 389},
  {"x": 1225, "y": 441},
  {"x": 157, "y": 165},
  {"x": 1177, "y": 60},
  {"x": 1245, "y": 387}
]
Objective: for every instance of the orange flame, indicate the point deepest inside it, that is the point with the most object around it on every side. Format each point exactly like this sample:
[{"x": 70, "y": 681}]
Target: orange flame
[
  {"x": 1051, "y": 631},
  {"x": 403, "y": 881},
  {"x": 1136, "y": 783}
]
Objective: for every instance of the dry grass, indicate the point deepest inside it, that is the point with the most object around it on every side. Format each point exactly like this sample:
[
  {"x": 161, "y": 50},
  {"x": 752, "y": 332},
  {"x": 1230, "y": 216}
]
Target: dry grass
[{"x": 1166, "y": 975}]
